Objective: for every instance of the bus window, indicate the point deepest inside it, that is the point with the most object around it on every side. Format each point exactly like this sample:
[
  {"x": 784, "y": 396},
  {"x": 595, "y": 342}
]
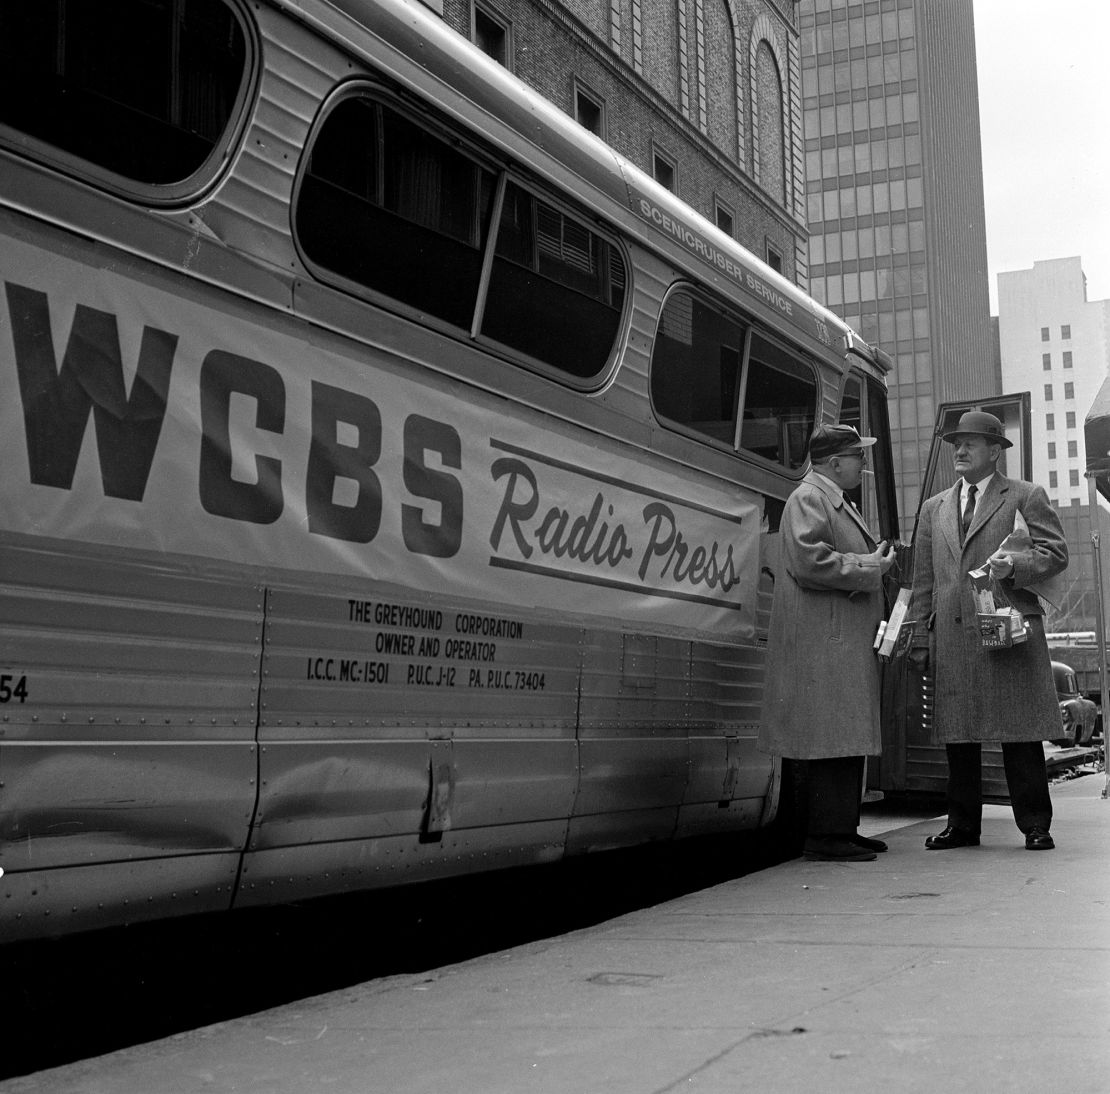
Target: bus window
[
  {"x": 696, "y": 379},
  {"x": 780, "y": 404},
  {"x": 874, "y": 497},
  {"x": 390, "y": 206},
  {"x": 142, "y": 92},
  {"x": 695, "y": 367},
  {"x": 557, "y": 288}
]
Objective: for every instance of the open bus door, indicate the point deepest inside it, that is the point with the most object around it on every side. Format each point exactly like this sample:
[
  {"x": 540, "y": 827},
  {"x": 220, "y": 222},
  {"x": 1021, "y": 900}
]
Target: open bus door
[
  {"x": 910, "y": 761},
  {"x": 1096, "y": 442}
]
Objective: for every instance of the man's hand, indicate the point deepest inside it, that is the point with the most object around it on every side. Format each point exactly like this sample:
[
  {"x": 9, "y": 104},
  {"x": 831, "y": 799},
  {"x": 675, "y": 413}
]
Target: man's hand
[
  {"x": 884, "y": 556},
  {"x": 1001, "y": 566}
]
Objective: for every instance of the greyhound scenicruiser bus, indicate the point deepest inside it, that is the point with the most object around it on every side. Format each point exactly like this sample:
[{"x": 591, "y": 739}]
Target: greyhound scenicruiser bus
[{"x": 391, "y": 470}]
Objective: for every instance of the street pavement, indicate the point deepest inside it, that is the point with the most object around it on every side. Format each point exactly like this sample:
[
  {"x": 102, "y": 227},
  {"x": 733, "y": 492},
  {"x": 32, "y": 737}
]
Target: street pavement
[{"x": 978, "y": 969}]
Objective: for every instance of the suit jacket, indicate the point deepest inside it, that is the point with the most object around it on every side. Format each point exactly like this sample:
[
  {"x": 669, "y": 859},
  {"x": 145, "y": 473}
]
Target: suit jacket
[
  {"x": 982, "y": 694},
  {"x": 821, "y": 694}
]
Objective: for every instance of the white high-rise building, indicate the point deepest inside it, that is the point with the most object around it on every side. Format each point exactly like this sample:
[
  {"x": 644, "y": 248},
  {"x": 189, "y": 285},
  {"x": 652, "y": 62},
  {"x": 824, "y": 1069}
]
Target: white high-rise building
[{"x": 1055, "y": 343}]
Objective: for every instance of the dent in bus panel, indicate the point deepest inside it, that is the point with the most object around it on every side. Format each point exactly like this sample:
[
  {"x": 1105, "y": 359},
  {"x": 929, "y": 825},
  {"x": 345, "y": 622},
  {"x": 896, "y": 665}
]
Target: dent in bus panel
[{"x": 142, "y": 91}]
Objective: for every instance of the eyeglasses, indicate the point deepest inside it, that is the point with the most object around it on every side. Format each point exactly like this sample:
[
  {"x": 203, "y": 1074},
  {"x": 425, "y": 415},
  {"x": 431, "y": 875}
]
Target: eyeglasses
[{"x": 857, "y": 452}]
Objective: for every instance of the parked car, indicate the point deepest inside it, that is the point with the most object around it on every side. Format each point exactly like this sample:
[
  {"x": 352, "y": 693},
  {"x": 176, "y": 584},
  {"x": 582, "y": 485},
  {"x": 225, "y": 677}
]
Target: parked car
[{"x": 1077, "y": 714}]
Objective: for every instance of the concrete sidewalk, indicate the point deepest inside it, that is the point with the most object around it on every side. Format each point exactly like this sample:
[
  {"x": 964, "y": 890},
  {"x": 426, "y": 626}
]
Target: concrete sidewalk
[{"x": 984, "y": 969}]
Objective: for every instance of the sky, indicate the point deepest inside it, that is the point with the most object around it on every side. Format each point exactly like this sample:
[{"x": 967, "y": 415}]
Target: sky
[{"x": 1044, "y": 104}]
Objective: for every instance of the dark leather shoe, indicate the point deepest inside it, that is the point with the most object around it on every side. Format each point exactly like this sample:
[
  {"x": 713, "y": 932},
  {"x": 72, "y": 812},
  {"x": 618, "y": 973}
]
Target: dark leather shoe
[
  {"x": 865, "y": 841},
  {"x": 1038, "y": 839},
  {"x": 836, "y": 849},
  {"x": 952, "y": 837}
]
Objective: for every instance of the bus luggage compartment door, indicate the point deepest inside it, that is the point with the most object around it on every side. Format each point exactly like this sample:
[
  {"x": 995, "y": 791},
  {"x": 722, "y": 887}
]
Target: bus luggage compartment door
[{"x": 128, "y": 763}]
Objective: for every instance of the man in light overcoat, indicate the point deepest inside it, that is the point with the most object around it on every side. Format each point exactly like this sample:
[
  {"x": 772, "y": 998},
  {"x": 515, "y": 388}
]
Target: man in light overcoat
[
  {"x": 821, "y": 696},
  {"x": 984, "y": 694}
]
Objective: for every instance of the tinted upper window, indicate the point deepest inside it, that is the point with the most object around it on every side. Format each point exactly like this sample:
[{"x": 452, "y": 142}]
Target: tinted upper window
[
  {"x": 388, "y": 205},
  {"x": 396, "y": 206},
  {"x": 144, "y": 92},
  {"x": 711, "y": 370}
]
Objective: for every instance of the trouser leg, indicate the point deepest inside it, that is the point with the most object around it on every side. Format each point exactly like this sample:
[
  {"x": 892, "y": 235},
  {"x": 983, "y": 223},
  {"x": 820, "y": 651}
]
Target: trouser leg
[
  {"x": 965, "y": 787},
  {"x": 1027, "y": 781},
  {"x": 834, "y": 787}
]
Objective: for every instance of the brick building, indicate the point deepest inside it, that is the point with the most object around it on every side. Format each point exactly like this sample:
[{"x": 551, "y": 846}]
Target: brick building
[{"x": 702, "y": 94}]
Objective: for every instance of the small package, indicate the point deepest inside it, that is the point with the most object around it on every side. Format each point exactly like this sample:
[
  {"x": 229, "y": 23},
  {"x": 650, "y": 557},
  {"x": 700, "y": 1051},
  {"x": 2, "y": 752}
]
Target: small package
[
  {"x": 887, "y": 637},
  {"x": 1000, "y": 626}
]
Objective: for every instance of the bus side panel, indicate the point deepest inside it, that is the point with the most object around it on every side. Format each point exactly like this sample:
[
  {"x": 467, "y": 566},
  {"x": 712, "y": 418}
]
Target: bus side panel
[
  {"x": 633, "y": 733},
  {"x": 397, "y": 729},
  {"x": 729, "y": 777},
  {"x": 133, "y": 739},
  {"x": 302, "y": 871}
]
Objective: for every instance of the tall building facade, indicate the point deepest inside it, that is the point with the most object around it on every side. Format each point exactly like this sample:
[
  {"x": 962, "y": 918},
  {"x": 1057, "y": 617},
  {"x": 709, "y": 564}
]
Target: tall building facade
[
  {"x": 1055, "y": 344},
  {"x": 705, "y": 95},
  {"x": 894, "y": 197}
]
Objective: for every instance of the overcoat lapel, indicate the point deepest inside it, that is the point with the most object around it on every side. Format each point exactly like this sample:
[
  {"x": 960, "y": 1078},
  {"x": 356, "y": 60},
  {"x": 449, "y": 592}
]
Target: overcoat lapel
[
  {"x": 839, "y": 502},
  {"x": 950, "y": 520},
  {"x": 854, "y": 513}
]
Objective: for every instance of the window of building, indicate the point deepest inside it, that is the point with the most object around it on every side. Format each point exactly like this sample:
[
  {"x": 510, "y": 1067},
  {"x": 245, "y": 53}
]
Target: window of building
[
  {"x": 1071, "y": 419},
  {"x": 1053, "y": 480},
  {"x": 1050, "y": 421},
  {"x": 1069, "y": 391},
  {"x": 1067, "y": 358},
  {"x": 1065, "y": 331},
  {"x": 143, "y": 96},
  {"x": 1052, "y": 450},
  {"x": 714, "y": 374},
  {"x": 1046, "y": 361},
  {"x": 1073, "y": 478},
  {"x": 774, "y": 258},
  {"x": 1044, "y": 334},
  {"x": 664, "y": 169},
  {"x": 589, "y": 110},
  {"x": 1048, "y": 393},
  {"x": 1073, "y": 449},
  {"x": 398, "y": 206},
  {"x": 723, "y": 215},
  {"x": 493, "y": 34}
]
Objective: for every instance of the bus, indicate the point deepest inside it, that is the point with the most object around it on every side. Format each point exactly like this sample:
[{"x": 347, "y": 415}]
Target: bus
[{"x": 391, "y": 470}]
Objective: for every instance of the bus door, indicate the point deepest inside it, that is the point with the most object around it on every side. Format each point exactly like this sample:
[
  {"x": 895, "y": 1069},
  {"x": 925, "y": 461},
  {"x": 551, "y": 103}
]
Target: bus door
[
  {"x": 910, "y": 761},
  {"x": 863, "y": 404}
]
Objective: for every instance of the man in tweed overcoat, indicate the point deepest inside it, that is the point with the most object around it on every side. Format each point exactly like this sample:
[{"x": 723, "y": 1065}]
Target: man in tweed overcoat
[
  {"x": 821, "y": 696},
  {"x": 982, "y": 694}
]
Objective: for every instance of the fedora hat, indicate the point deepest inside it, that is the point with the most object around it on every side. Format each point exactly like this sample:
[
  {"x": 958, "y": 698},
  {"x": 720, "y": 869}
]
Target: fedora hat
[
  {"x": 982, "y": 423},
  {"x": 831, "y": 440}
]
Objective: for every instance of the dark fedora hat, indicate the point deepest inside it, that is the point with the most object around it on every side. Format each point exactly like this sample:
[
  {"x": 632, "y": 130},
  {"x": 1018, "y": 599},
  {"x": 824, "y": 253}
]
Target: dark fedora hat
[
  {"x": 831, "y": 440},
  {"x": 982, "y": 423}
]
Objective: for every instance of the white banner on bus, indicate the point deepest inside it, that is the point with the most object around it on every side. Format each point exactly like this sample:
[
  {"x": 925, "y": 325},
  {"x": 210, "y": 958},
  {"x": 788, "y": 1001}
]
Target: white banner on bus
[{"x": 140, "y": 419}]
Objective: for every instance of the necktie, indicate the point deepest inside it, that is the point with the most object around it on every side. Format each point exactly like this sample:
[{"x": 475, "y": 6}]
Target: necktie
[{"x": 969, "y": 511}]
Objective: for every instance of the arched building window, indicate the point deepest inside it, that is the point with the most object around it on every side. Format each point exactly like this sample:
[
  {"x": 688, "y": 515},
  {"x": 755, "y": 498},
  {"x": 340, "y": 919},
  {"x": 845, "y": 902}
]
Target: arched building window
[
  {"x": 767, "y": 127},
  {"x": 721, "y": 69},
  {"x": 772, "y": 146}
]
